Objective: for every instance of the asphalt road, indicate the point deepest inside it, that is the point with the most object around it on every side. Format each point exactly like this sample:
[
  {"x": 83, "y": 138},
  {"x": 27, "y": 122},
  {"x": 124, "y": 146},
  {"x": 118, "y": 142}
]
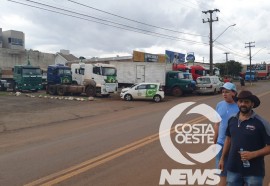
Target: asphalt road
[{"x": 103, "y": 142}]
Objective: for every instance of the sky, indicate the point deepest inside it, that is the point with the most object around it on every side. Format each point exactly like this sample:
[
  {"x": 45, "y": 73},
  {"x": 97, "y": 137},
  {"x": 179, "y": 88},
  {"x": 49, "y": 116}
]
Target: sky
[{"x": 109, "y": 28}]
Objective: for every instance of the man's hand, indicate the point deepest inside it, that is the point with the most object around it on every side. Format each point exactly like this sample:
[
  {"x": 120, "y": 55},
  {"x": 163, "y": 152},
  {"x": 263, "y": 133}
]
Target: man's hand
[
  {"x": 247, "y": 155},
  {"x": 221, "y": 165}
]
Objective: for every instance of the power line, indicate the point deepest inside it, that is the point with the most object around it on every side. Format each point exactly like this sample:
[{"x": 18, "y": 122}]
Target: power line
[
  {"x": 142, "y": 31},
  {"x": 132, "y": 20},
  {"x": 227, "y": 48}
]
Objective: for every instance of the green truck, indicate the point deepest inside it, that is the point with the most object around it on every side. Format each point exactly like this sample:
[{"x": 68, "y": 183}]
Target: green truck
[
  {"x": 178, "y": 83},
  {"x": 27, "y": 78}
]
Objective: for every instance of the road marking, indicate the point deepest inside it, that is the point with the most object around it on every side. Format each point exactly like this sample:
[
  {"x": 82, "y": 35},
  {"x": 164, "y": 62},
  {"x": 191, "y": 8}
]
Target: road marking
[
  {"x": 94, "y": 162},
  {"x": 89, "y": 164}
]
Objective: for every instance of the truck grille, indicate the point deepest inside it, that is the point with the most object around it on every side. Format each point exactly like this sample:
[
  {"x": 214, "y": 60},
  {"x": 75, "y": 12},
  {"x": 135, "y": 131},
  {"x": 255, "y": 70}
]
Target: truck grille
[{"x": 111, "y": 87}]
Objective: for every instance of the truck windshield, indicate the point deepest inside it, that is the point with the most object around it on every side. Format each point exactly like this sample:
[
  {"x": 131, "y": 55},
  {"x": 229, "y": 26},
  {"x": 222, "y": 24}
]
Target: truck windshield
[
  {"x": 187, "y": 76},
  {"x": 31, "y": 71},
  {"x": 64, "y": 72},
  {"x": 200, "y": 72},
  {"x": 108, "y": 71}
]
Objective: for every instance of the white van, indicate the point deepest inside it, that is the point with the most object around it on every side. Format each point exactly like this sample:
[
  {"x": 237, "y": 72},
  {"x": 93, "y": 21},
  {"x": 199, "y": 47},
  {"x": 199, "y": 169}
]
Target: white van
[{"x": 208, "y": 84}]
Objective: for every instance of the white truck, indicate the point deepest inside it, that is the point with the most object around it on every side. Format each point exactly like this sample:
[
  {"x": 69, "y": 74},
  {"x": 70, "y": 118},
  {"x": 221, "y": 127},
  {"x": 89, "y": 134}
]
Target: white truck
[
  {"x": 96, "y": 78},
  {"x": 4, "y": 85},
  {"x": 129, "y": 73}
]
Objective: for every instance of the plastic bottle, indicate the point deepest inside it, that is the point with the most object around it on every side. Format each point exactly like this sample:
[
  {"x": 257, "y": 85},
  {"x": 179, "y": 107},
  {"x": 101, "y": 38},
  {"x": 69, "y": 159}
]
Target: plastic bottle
[{"x": 246, "y": 163}]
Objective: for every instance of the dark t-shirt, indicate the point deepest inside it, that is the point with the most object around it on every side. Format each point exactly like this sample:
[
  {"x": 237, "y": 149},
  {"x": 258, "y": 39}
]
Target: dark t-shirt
[{"x": 251, "y": 135}]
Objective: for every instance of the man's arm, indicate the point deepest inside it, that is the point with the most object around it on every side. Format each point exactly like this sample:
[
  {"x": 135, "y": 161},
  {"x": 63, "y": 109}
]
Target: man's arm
[
  {"x": 247, "y": 155},
  {"x": 216, "y": 128},
  {"x": 225, "y": 152}
]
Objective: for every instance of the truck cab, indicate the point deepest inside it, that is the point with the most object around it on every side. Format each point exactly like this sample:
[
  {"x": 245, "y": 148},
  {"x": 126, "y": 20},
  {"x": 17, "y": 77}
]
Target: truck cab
[
  {"x": 101, "y": 76},
  {"x": 27, "y": 77},
  {"x": 59, "y": 74},
  {"x": 178, "y": 83},
  {"x": 251, "y": 76},
  {"x": 4, "y": 85}
]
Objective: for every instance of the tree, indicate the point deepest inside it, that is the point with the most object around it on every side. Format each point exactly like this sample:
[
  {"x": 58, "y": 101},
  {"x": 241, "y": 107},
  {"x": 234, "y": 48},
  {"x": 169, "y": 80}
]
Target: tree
[
  {"x": 222, "y": 68},
  {"x": 232, "y": 68}
]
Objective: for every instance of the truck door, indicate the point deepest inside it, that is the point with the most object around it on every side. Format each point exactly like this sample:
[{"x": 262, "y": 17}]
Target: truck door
[
  {"x": 78, "y": 76},
  {"x": 140, "y": 73},
  {"x": 97, "y": 75}
]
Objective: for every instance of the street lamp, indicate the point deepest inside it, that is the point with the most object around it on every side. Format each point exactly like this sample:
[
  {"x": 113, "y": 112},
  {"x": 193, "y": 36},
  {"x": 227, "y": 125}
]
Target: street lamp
[
  {"x": 211, "y": 47},
  {"x": 224, "y": 31}
]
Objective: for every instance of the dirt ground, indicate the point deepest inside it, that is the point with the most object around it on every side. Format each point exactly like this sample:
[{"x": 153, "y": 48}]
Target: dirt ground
[{"x": 24, "y": 111}]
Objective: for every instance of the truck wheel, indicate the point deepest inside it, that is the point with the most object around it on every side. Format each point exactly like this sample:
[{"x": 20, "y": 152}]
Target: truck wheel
[
  {"x": 157, "y": 98},
  {"x": 128, "y": 97},
  {"x": 90, "y": 91},
  {"x": 47, "y": 89},
  {"x": 61, "y": 91},
  {"x": 52, "y": 90},
  {"x": 106, "y": 95},
  {"x": 15, "y": 87},
  {"x": 176, "y": 91}
]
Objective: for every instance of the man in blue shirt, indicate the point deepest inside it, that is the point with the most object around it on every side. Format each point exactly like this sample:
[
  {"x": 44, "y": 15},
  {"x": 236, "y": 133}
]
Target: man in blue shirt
[
  {"x": 250, "y": 132},
  {"x": 225, "y": 109}
]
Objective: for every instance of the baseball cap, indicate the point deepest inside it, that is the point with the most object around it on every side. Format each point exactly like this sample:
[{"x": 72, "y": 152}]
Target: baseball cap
[{"x": 229, "y": 86}]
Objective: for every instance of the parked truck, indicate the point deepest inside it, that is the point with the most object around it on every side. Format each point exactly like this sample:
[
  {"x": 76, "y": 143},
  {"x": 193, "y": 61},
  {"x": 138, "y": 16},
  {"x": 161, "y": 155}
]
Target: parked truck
[
  {"x": 27, "y": 77},
  {"x": 129, "y": 73},
  {"x": 91, "y": 79},
  {"x": 175, "y": 83},
  {"x": 251, "y": 76},
  {"x": 178, "y": 83},
  {"x": 4, "y": 85},
  {"x": 195, "y": 70},
  {"x": 262, "y": 70}
]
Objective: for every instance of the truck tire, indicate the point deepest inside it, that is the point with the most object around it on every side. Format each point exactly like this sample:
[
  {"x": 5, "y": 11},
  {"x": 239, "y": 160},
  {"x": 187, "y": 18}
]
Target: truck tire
[
  {"x": 61, "y": 91},
  {"x": 47, "y": 89},
  {"x": 15, "y": 87},
  {"x": 90, "y": 91},
  {"x": 52, "y": 90},
  {"x": 176, "y": 91}
]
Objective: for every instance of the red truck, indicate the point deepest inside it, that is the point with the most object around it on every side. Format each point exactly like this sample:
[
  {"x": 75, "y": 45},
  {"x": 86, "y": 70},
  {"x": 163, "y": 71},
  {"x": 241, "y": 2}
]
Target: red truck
[{"x": 195, "y": 70}]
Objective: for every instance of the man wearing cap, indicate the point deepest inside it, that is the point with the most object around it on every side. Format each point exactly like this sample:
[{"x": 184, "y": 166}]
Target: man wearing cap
[
  {"x": 249, "y": 133},
  {"x": 225, "y": 109}
]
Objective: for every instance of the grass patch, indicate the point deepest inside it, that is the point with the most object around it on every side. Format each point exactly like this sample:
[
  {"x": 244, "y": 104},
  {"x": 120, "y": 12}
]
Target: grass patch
[{"x": 3, "y": 93}]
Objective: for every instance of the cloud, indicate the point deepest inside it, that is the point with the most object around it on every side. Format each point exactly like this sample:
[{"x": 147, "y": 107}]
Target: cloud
[{"x": 49, "y": 32}]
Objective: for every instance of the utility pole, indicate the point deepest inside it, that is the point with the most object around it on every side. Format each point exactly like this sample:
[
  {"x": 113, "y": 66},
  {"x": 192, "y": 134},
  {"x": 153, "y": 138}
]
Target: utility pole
[
  {"x": 249, "y": 46},
  {"x": 211, "y": 20},
  {"x": 227, "y": 67}
]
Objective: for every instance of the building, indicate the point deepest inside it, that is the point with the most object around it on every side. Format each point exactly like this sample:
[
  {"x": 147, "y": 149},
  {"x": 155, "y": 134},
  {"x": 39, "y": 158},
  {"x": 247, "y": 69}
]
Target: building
[
  {"x": 13, "y": 39},
  {"x": 64, "y": 56}
]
